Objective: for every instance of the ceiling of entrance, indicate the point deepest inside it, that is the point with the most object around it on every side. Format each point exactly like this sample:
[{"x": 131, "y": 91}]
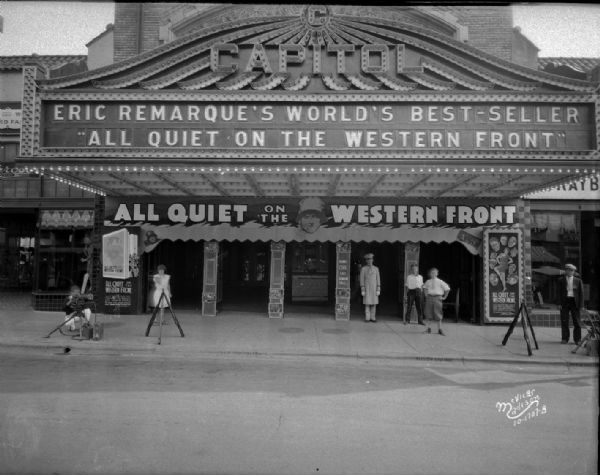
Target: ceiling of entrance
[{"x": 419, "y": 181}]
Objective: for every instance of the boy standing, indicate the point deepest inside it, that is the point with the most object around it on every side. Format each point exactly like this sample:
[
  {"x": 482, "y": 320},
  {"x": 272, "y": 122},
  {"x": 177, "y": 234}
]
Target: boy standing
[
  {"x": 414, "y": 284},
  {"x": 436, "y": 291}
]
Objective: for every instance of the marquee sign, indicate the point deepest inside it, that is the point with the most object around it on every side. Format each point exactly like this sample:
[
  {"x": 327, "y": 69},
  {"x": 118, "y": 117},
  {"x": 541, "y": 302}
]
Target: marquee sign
[
  {"x": 585, "y": 189},
  {"x": 165, "y": 126},
  {"x": 307, "y": 213},
  {"x": 306, "y": 219}
]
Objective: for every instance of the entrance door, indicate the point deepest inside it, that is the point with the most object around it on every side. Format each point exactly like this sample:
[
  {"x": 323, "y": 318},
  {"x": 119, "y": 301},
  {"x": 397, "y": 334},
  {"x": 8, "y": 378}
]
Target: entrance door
[
  {"x": 184, "y": 262},
  {"x": 459, "y": 269},
  {"x": 245, "y": 276}
]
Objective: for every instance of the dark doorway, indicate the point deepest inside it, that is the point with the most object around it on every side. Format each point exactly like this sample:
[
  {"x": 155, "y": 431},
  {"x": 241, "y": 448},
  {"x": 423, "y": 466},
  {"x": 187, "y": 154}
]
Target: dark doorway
[
  {"x": 184, "y": 261},
  {"x": 245, "y": 276},
  {"x": 460, "y": 270}
]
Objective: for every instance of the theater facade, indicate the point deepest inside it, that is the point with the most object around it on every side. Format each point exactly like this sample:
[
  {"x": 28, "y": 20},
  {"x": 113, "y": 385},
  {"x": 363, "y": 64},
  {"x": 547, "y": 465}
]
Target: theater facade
[{"x": 259, "y": 159}]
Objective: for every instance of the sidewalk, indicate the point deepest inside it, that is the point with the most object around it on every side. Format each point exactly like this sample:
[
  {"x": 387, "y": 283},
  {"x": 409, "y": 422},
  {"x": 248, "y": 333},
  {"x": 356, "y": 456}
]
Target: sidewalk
[{"x": 245, "y": 333}]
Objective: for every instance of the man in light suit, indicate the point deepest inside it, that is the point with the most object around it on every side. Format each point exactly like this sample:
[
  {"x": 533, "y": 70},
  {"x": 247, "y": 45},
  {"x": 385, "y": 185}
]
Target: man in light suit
[{"x": 570, "y": 290}]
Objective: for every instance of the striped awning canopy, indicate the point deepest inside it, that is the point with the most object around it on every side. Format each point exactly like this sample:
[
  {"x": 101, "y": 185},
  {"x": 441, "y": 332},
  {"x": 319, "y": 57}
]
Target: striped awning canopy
[{"x": 539, "y": 254}]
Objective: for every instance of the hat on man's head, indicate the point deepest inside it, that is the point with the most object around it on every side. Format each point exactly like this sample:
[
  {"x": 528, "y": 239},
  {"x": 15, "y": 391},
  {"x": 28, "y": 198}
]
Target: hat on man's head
[
  {"x": 570, "y": 266},
  {"x": 369, "y": 256}
]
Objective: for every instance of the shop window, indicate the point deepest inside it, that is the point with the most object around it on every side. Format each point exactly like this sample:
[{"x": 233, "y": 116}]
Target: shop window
[
  {"x": 16, "y": 261},
  {"x": 8, "y": 153},
  {"x": 555, "y": 240},
  {"x": 25, "y": 265},
  {"x": 61, "y": 254}
]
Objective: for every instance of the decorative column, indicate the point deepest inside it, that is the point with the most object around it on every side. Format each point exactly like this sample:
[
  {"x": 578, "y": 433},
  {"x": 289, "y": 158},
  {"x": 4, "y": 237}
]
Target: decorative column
[
  {"x": 30, "y": 107},
  {"x": 210, "y": 280},
  {"x": 525, "y": 219},
  {"x": 411, "y": 256},
  {"x": 96, "y": 279},
  {"x": 343, "y": 273},
  {"x": 277, "y": 279}
]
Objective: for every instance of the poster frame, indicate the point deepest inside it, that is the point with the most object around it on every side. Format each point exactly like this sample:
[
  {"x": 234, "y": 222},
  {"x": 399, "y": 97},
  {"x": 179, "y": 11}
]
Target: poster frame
[
  {"x": 488, "y": 316},
  {"x": 123, "y": 273}
]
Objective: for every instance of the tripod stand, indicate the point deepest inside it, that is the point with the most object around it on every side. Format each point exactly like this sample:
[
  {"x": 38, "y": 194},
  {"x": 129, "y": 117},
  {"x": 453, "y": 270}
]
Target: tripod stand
[
  {"x": 160, "y": 320},
  {"x": 525, "y": 322},
  {"x": 593, "y": 332}
]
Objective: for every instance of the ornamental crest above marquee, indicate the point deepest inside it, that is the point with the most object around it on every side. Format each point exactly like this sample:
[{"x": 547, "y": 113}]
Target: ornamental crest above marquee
[{"x": 316, "y": 51}]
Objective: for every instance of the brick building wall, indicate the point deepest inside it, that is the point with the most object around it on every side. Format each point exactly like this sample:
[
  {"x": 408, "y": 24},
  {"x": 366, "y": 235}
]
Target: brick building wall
[
  {"x": 129, "y": 38},
  {"x": 490, "y": 27},
  {"x": 127, "y": 16}
]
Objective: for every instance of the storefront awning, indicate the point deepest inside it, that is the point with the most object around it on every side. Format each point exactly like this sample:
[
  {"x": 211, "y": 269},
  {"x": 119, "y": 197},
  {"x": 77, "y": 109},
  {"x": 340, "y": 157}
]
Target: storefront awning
[
  {"x": 67, "y": 219},
  {"x": 152, "y": 235},
  {"x": 540, "y": 255}
]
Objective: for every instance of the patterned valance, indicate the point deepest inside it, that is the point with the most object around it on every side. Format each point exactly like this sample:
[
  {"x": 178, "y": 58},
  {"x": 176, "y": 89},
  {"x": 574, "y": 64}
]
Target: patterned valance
[{"x": 67, "y": 218}]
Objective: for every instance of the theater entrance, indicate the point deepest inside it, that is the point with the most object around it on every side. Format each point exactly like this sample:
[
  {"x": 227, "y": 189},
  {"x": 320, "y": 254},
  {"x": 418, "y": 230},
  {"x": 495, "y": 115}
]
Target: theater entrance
[
  {"x": 244, "y": 276},
  {"x": 184, "y": 261},
  {"x": 461, "y": 271}
]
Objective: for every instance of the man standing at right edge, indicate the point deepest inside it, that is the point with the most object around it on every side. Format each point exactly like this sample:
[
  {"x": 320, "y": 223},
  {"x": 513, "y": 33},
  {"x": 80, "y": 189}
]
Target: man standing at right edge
[{"x": 570, "y": 290}]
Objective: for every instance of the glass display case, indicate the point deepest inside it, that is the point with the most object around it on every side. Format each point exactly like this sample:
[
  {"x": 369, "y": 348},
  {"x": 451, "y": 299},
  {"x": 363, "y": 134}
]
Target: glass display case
[{"x": 309, "y": 269}]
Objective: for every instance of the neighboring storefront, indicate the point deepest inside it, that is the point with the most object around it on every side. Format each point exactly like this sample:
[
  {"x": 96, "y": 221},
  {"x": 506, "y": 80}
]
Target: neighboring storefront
[
  {"x": 565, "y": 222},
  {"x": 261, "y": 158},
  {"x": 40, "y": 218}
]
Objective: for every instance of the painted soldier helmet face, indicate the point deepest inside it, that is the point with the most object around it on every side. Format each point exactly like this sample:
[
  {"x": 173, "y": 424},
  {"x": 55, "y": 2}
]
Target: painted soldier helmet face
[{"x": 311, "y": 214}]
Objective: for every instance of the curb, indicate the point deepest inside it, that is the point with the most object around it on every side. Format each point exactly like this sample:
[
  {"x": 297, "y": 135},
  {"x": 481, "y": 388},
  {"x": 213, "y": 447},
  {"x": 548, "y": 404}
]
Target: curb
[{"x": 389, "y": 358}]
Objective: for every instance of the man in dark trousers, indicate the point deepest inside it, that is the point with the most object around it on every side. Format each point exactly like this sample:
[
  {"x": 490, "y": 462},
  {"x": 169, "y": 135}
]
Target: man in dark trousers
[
  {"x": 571, "y": 301},
  {"x": 414, "y": 286}
]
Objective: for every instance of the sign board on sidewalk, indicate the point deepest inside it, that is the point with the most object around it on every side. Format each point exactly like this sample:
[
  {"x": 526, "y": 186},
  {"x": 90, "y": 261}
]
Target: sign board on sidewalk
[{"x": 502, "y": 273}]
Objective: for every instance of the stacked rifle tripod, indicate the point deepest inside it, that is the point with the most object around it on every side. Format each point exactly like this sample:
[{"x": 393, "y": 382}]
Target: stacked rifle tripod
[
  {"x": 161, "y": 317},
  {"x": 523, "y": 314}
]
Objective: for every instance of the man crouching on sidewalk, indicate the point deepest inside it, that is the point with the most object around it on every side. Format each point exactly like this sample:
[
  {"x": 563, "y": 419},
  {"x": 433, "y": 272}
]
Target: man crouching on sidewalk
[{"x": 436, "y": 291}]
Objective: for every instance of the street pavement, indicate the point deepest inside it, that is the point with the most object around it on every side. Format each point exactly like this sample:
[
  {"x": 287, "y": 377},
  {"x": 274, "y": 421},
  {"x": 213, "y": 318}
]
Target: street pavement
[
  {"x": 244, "y": 394},
  {"x": 297, "y": 334}
]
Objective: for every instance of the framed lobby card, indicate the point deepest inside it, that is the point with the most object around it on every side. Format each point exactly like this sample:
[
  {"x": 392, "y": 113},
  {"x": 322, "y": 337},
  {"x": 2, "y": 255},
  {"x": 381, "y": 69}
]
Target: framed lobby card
[
  {"x": 115, "y": 254},
  {"x": 502, "y": 274}
]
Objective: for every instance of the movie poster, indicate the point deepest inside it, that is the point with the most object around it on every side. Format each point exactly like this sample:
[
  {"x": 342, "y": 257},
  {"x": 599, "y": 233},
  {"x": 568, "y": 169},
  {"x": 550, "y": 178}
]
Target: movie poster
[
  {"x": 503, "y": 274},
  {"x": 115, "y": 254}
]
